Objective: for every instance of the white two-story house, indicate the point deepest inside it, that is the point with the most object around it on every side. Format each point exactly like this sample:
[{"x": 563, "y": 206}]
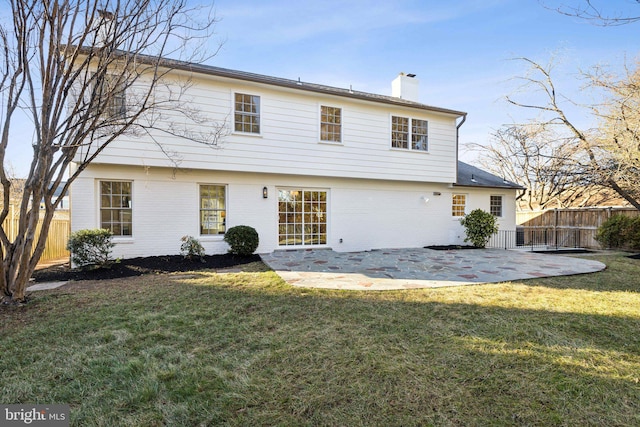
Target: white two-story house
[{"x": 306, "y": 165}]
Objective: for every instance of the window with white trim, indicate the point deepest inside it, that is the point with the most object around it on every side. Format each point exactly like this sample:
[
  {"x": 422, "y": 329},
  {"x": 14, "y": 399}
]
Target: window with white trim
[
  {"x": 405, "y": 129},
  {"x": 247, "y": 113},
  {"x": 399, "y": 132},
  {"x": 116, "y": 212},
  {"x": 458, "y": 205},
  {"x": 495, "y": 205},
  {"x": 330, "y": 124},
  {"x": 302, "y": 217},
  {"x": 213, "y": 209},
  {"x": 419, "y": 135},
  {"x": 110, "y": 93}
]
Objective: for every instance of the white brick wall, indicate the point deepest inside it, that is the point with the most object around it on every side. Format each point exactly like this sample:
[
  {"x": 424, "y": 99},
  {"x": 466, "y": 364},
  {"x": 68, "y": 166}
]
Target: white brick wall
[{"x": 365, "y": 214}]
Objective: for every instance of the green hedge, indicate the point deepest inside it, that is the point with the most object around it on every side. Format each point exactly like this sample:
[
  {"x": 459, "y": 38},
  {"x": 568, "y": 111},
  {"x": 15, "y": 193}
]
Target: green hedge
[
  {"x": 620, "y": 232},
  {"x": 242, "y": 239},
  {"x": 91, "y": 247}
]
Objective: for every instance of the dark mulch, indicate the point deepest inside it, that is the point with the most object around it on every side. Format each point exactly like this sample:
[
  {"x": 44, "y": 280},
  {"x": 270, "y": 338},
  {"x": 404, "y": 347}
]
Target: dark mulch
[
  {"x": 450, "y": 247},
  {"x": 636, "y": 256},
  {"x": 564, "y": 251},
  {"x": 139, "y": 266}
]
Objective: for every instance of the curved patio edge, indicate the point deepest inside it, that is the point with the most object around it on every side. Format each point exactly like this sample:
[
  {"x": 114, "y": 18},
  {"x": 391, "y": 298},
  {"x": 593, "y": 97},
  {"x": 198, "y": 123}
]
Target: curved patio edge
[{"x": 417, "y": 268}]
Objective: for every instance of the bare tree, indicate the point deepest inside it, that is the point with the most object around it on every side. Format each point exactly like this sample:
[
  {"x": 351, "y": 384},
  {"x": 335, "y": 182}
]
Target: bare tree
[
  {"x": 535, "y": 157},
  {"x": 86, "y": 72},
  {"x": 598, "y": 12},
  {"x": 606, "y": 156}
]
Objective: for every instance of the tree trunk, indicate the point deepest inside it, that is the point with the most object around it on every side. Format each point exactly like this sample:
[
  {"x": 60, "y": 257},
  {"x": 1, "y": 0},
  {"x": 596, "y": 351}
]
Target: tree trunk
[{"x": 628, "y": 197}]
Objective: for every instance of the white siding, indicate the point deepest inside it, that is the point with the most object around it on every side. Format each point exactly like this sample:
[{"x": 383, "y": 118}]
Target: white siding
[
  {"x": 365, "y": 214},
  {"x": 288, "y": 143}
]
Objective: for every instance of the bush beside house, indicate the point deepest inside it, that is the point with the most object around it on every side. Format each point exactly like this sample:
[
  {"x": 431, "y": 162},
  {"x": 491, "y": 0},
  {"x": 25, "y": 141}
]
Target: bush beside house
[
  {"x": 242, "y": 239},
  {"x": 479, "y": 226}
]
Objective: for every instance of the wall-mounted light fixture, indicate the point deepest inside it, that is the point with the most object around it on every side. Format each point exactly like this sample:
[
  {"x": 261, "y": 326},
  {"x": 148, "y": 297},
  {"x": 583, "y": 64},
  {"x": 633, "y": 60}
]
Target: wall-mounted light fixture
[
  {"x": 437, "y": 193},
  {"x": 265, "y": 192}
]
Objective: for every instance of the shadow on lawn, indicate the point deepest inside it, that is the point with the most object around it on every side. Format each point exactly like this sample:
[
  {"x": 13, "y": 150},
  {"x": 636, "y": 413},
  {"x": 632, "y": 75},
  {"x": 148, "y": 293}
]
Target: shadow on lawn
[
  {"x": 264, "y": 353},
  {"x": 423, "y": 357}
]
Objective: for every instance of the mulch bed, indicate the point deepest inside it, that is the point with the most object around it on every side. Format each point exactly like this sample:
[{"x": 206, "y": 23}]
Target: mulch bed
[
  {"x": 450, "y": 247},
  {"x": 636, "y": 256},
  {"x": 139, "y": 266}
]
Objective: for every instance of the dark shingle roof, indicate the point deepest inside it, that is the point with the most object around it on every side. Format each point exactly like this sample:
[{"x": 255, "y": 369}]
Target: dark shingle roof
[
  {"x": 292, "y": 84},
  {"x": 471, "y": 176}
]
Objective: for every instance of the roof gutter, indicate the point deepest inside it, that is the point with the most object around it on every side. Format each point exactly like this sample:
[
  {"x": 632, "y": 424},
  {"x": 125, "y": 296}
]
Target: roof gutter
[
  {"x": 458, "y": 126},
  {"x": 188, "y": 67}
]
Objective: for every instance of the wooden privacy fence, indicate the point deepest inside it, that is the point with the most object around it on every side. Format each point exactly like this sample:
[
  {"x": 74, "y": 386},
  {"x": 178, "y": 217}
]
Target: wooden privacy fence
[
  {"x": 575, "y": 227},
  {"x": 56, "y": 246}
]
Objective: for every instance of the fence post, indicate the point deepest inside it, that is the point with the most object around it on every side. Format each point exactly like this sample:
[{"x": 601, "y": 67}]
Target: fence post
[{"x": 555, "y": 227}]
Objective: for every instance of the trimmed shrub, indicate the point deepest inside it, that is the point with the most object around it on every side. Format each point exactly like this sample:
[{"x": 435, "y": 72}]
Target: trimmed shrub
[
  {"x": 242, "y": 239},
  {"x": 479, "y": 226},
  {"x": 633, "y": 236},
  {"x": 614, "y": 232},
  {"x": 191, "y": 248},
  {"x": 91, "y": 247},
  {"x": 619, "y": 232}
]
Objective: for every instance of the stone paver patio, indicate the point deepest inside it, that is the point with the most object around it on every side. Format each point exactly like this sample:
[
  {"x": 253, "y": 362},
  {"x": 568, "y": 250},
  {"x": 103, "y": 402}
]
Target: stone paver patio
[{"x": 388, "y": 269}]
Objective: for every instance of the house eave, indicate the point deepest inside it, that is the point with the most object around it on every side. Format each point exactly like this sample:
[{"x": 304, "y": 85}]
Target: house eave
[
  {"x": 210, "y": 70},
  {"x": 503, "y": 187}
]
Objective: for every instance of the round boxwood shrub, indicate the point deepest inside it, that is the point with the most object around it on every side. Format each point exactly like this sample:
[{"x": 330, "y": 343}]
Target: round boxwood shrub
[
  {"x": 479, "y": 226},
  {"x": 242, "y": 239},
  {"x": 91, "y": 247}
]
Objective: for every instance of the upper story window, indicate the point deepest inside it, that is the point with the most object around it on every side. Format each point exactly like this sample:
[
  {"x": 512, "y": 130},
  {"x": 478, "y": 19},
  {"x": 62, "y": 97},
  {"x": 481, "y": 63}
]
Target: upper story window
[
  {"x": 495, "y": 205},
  {"x": 330, "y": 124},
  {"x": 213, "y": 210},
  {"x": 399, "y": 132},
  {"x": 111, "y": 96},
  {"x": 458, "y": 205},
  {"x": 419, "y": 135},
  {"x": 247, "y": 113},
  {"x": 115, "y": 207},
  {"x": 405, "y": 129}
]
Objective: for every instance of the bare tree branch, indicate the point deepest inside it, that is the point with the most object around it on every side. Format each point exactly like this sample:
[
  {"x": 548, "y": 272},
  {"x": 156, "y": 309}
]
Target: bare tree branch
[
  {"x": 86, "y": 73},
  {"x": 576, "y": 161},
  {"x": 598, "y": 14}
]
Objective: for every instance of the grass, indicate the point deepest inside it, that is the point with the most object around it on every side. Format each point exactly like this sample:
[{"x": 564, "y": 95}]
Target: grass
[{"x": 247, "y": 349}]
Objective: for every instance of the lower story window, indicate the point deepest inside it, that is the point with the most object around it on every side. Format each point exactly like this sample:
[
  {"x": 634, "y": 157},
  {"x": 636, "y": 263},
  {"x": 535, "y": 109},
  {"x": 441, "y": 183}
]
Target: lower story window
[
  {"x": 213, "y": 212},
  {"x": 302, "y": 217},
  {"x": 495, "y": 205},
  {"x": 458, "y": 204},
  {"x": 116, "y": 207}
]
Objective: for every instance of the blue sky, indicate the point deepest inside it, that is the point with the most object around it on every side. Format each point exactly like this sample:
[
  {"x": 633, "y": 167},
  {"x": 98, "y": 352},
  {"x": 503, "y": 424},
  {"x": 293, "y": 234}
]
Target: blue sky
[{"x": 460, "y": 50}]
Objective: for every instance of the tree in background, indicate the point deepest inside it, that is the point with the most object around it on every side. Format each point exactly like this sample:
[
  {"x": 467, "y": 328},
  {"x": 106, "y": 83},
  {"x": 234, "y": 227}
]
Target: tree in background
[
  {"x": 603, "y": 157},
  {"x": 599, "y": 12},
  {"x": 86, "y": 72},
  {"x": 616, "y": 145},
  {"x": 535, "y": 157}
]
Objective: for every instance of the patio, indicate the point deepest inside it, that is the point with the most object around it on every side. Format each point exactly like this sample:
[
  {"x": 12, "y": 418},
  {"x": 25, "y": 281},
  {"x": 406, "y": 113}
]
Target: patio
[{"x": 393, "y": 269}]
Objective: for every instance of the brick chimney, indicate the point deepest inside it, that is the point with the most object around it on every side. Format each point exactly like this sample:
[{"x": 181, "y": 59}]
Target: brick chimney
[{"x": 405, "y": 86}]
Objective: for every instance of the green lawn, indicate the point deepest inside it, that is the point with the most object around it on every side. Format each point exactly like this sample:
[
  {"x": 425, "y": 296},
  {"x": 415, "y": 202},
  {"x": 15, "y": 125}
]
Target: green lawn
[{"x": 246, "y": 349}]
